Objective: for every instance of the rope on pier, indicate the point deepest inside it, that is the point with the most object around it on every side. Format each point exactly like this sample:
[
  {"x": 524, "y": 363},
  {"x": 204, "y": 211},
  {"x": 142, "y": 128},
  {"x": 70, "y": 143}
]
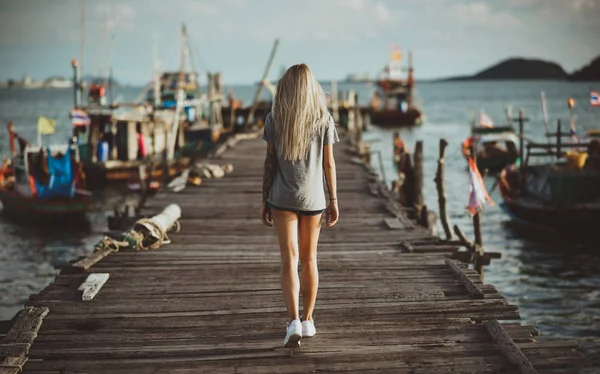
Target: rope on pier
[{"x": 146, "y": 235}]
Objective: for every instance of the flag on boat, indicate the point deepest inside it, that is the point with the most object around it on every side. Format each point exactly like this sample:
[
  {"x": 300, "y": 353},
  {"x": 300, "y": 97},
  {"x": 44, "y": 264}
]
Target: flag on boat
[
  {"x": 594, "y": 98},
  {"x": 477, "y": 192},
  {"x": 79, "y": 117},
  {"x": 396, "y": 54},
  {"x": 485, "y": 120},
  {"x": 46, "y": 126}
]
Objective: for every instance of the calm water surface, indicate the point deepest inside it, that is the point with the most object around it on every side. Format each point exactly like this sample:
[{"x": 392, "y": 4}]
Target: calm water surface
[{"x": 555, "y": 281}]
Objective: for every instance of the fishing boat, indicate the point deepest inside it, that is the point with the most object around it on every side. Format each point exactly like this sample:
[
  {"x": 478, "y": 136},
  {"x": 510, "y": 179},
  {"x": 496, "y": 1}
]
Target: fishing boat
[
  {"x": 168, "y": 126},
  {"x": 397, "y": 92},
  {"x": 495, "y": 146},
  {"x": 44, "y": 184},
  {"x": 563, "y": 194}
]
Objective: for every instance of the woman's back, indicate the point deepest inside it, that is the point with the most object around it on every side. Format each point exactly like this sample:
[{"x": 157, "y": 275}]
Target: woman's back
[{"x": 298, "y": 184}]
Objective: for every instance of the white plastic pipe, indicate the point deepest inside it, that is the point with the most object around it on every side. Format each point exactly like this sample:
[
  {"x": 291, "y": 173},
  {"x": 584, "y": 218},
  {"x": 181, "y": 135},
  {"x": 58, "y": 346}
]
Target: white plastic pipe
[{"x": 166, "y": 219}]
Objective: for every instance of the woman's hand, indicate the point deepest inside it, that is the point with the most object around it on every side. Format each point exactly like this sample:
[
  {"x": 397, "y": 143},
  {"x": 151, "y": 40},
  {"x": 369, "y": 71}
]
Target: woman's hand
[
  {"x": 332, "y": 213},
  {"x": 265, "y": 214}
]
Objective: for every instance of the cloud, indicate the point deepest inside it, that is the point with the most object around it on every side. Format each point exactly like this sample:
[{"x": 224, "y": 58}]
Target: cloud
[
  {"x": 119, "y": 17},
  {"x": 350, "y": 4},
  {"x": 481, "y": 14},
  {"x": 383, "y": 12},
  {"x": 583, "y": 5},
  {"x": 203, "y": 8}
]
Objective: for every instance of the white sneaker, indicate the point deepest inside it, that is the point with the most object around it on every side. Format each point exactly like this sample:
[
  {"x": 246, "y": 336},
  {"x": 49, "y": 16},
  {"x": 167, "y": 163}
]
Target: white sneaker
[
  {"x": 308, "y": 329},
  {"x": 293, "y": 334}
]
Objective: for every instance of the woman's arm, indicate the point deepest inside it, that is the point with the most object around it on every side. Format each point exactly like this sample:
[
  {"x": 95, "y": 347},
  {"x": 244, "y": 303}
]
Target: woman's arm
[
  {"x": 269, "y": 170},
  {"x": 332, "y": 213}
]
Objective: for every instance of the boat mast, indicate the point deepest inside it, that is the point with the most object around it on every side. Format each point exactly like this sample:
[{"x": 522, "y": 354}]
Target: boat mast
[
  {"x": 180, "y": 96},
  {"x": 410, "y": 80},
  {"x": 82, "y": 49}
]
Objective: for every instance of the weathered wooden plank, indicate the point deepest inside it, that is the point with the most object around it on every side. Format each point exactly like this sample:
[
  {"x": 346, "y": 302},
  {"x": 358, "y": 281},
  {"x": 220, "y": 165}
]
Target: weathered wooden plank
[
  {"x": 509, "y": 349},
  {"x": 91, "y": 260},
  {"x": 12, "y": 365},
  {"x": 26, "y": 326},
  {"x": 471, "y": 287}
]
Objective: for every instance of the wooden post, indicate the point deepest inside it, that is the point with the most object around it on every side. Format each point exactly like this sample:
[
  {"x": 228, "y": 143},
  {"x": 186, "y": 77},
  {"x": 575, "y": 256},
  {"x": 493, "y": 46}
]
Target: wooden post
[
  {"x": 335, "y": 105},
  {"x": 439, "y": 182},
  {"x": 418, "y": 175},
  {"x": 357, "y": 119},
  {"x": 351, "y": 122},
  {"x": 558, "y": 140},
  {"x": 76, "y": 85},
  {"x": 521, "y": 150},
  {"x": 521, "y": 135},
  {"x": 477, "y": 226}
]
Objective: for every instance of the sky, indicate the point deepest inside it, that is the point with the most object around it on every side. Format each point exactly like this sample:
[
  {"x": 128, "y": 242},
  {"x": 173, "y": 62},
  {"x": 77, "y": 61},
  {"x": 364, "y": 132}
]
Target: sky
[{"x": 334, "y": 37}]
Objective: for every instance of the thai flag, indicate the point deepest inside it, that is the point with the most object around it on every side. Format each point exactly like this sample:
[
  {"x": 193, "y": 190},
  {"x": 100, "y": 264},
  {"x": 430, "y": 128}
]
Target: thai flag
[
  {"x": 80, "y": 118},
  {"x": 477, "y": 192},
  {"x": 485, "y": 120},
  {"x": 594, "y": 98}
]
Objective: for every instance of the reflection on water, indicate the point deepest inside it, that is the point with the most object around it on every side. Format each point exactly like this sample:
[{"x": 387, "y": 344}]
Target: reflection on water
[
  {"x": 554, "y": 280},
  {"x": 30, "y": 253}
]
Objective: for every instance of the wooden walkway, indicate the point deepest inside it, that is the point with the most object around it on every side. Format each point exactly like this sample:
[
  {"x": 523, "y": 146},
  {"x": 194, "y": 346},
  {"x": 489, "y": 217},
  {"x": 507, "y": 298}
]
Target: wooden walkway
[{"x": 389, "y": 302}]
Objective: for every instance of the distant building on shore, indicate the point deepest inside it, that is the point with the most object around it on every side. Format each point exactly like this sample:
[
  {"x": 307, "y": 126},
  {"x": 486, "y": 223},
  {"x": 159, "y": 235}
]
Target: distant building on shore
[{"x": 358, "y": 78}]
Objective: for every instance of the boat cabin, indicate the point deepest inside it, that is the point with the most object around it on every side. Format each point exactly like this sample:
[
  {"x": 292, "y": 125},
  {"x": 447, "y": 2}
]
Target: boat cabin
[
  {"x": 112, "y": 138},
  {"x": 44, "y": 171}
]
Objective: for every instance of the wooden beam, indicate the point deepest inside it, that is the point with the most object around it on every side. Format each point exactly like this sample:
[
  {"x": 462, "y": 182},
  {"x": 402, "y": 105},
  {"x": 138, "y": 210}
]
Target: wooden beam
[
  {"x": 90, "y": 260},
  {"x": 15, "y": 345},
  {"x": 12, "y": 365},
  {"x": 508, "y": 347},
  {"x": 464, "y": 279}
]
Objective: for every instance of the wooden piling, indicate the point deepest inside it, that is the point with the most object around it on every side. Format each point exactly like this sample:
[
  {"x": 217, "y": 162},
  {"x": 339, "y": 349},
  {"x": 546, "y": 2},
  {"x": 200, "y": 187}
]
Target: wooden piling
[
  {"x": 478, "y": 265},
  {"x": 558, "y": 140},
  {"x": 358, "y": 120},
  {"x": 439, "y": 183},
  {"x": 418, "y": 178}
]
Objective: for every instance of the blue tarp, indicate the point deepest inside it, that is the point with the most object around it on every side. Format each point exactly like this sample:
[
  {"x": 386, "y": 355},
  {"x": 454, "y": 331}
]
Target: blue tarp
[{"x": 62, "y": 181}]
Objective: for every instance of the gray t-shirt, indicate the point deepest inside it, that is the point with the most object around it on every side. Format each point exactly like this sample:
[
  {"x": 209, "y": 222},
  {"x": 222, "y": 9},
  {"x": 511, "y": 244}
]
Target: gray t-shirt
[{"x": 298, "y": 185}]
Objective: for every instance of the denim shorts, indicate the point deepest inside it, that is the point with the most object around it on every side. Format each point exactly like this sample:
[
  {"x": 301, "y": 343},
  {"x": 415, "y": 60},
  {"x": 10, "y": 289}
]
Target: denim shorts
[{"x": 298, "y": 212}]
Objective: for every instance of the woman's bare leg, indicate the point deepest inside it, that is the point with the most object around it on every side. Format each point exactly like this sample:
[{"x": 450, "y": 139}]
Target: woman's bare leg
[
  {"x": 310, "y": 227},
  {"x": 286, "y": 224}
]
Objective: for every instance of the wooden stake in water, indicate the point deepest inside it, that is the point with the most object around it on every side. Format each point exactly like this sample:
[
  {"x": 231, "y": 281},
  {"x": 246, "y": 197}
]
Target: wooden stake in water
[{"x": 439, "y": 182}]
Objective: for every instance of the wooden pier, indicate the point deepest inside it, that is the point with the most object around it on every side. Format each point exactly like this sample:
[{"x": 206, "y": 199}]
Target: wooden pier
[{"x": 391, "y": 300}]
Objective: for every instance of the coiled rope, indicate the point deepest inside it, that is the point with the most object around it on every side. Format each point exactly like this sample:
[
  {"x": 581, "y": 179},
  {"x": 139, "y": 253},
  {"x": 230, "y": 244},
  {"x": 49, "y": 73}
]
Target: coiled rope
[{"x": 136, "y": 239}]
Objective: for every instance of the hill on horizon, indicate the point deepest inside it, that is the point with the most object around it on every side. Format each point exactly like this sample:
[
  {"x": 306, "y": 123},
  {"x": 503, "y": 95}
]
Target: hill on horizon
[{"x": 533, "y": 69}]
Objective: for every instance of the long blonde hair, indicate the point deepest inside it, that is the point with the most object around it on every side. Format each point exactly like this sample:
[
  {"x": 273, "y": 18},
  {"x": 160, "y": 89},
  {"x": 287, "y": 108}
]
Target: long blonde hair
[{"x": 299, "y": 111}]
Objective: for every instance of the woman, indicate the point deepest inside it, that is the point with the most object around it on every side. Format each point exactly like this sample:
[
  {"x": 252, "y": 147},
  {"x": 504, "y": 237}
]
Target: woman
[{"x": 300, "y": 134}]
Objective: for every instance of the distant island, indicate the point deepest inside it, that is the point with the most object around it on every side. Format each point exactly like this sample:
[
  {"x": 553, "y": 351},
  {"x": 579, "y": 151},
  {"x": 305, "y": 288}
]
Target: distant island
[
  {"x": 533, "y": 69},
  {"x": 52, "y": 82}
]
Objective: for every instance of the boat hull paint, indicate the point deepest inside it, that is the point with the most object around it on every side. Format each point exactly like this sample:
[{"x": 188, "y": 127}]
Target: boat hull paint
[
  {"x": 15, "y": 204},
  {"x": 576, "y": 218},
  {"x": 395, "y": 118}
]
